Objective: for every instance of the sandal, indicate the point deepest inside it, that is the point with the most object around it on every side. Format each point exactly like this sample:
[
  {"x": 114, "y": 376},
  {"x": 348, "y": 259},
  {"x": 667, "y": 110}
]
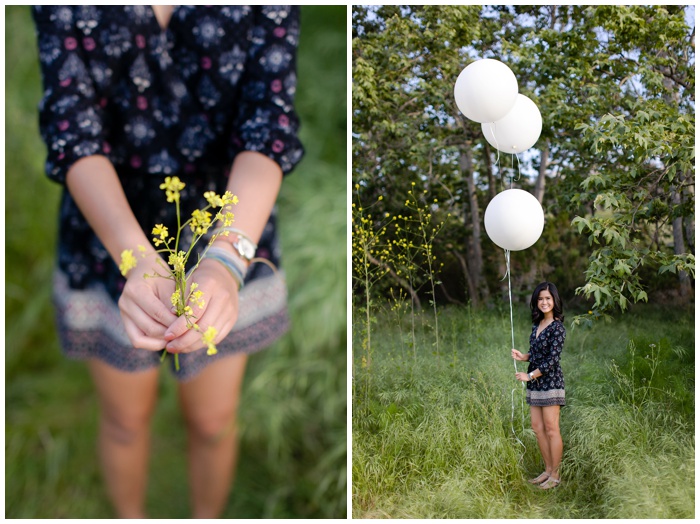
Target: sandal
[
  {"x": 539, "y": 480},
  {"x": 550, "y": 483}
]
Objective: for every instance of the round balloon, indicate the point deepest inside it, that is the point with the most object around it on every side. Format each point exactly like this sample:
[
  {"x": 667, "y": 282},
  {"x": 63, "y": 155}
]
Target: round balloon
[
  {"x": 516, "y": 131},
  {"x": 486, "y": 90},
  {"x": 514, "y": 219}
]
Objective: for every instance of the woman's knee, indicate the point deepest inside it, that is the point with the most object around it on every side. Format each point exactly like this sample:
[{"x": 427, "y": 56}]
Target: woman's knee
[
  {"x": 538, "y": 428},
  {"x": 211, "y": 426},
  {"x": 127, "y": 426},
  {"x": 551, "y": 429}
]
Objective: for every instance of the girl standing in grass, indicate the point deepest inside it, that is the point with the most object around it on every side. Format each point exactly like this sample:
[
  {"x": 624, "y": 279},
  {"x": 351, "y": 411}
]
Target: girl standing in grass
[
  {"x": 134, "y": 95},
  {"x": 544, "y": 378}
]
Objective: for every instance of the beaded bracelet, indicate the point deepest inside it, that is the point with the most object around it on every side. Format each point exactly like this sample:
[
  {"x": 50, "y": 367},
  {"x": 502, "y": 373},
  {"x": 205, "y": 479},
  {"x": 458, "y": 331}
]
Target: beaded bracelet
[{"x": 230, "y": 261}]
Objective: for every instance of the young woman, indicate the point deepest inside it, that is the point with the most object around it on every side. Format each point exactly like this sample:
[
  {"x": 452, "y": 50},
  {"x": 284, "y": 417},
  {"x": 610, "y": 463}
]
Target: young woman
[
  {"x": 132, "y": 95},
  {"x": 545, "y": 381}
]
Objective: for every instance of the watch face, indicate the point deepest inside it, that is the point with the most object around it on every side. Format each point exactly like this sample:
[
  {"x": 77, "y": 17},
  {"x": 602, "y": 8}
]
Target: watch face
[{"x": 245, "y": 248}]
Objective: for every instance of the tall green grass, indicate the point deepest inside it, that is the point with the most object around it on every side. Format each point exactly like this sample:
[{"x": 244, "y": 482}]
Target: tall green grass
[
  {"x": 293, "y": 411},
  {"x": 440, "y": 440}
]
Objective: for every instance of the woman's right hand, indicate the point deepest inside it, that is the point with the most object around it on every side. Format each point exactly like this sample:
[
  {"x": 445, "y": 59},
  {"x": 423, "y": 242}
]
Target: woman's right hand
[
  {"x": 517, "y": 355},
  {"x": 145, "y": 305}
]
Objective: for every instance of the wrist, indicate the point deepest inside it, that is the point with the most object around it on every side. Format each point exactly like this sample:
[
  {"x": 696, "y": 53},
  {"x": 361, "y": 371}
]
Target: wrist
[
  {"x": 225, "y": 256},
  {"x": 239, "y": 242},
  {"x": 224, "y": 244}
]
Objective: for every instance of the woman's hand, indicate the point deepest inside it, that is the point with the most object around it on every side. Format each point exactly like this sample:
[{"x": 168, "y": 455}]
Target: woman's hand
[
  {"x": 145, "y": 305},
  {"x": 522, "y": 377},
  {"x": 517, "y": 355},
  {"x": 220, "y": 293}
]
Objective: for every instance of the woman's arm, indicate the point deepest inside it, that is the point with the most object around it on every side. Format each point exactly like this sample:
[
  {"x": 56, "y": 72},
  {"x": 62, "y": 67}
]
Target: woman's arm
[
  {"x": 264, "y": 147},
  {"x": 525, "y": 377},
  {"x": 94, "y": 185},
  {"x": 145, "y": 302},
  {"x": 517, "y": 355},
  {"x": 255, "y": 179}
]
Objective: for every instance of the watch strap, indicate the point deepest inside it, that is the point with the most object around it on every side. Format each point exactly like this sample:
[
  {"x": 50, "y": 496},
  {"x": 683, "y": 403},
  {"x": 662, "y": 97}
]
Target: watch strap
[{"x": 243, "y": 245}]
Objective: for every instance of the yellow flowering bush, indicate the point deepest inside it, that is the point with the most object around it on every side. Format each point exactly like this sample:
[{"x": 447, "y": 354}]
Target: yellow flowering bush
[{"x": 199, "y": 223}]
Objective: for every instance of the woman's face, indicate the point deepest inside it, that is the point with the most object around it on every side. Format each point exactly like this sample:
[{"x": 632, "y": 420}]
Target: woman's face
[{"x": 545, "y": 301}]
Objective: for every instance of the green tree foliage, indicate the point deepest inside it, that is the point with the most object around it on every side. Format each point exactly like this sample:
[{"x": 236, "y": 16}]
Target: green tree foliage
[{"x": 615, "y": 86}]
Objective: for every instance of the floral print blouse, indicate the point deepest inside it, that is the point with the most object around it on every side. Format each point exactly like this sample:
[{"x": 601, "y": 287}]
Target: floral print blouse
[
  {"x": 157, "y": 102},
  {"x": 545, "y": 355}
]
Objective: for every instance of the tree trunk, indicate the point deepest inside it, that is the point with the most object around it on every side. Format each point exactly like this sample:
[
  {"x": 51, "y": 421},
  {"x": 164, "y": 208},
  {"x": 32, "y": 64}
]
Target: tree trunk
[
  {"x": 541, "y": 176},
  {"x": 489, "y": 171},
  {"x": 679, "y": 245},
  {"x": 688, "y": 195},
  {"x": 468, "y": 277},
  {"x": 449, "y": 298},
  {"x": 476, "y": 261}
]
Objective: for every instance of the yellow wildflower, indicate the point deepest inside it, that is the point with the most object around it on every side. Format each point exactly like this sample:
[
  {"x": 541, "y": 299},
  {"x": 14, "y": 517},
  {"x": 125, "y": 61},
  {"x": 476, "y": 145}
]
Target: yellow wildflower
[
  {"x": 175, "y": 298},
  {"x": 228, "y": 198},
  {"x": 196, "y": 298},
  {"x": 162, "y": 232},
  {"x": 177, "y": 261},
  {"x": 213, "y": 199},
  {"x": 128, "y": 261},
  {"x": 172, "y": 187},
  {"x": 201, "y": 220},
  {"x": 208, "y": 338}
]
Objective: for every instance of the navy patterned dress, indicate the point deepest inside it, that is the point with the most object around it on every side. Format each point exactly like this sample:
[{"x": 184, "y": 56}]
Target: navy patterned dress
[
  {"x": 545, "y": 355},
  {"x": 181, "y": 101}
]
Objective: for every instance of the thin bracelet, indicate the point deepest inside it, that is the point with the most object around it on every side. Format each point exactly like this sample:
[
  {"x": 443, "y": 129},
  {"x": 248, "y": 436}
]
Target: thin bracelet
[
  {"x": 237, "y": 231},
  {"x": 229, "y": 261}
]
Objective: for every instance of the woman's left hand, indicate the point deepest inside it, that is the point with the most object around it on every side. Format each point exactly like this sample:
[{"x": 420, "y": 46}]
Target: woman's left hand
[
  {"x": 522, "y": 377},
  {"x": 220, "y": 293}
]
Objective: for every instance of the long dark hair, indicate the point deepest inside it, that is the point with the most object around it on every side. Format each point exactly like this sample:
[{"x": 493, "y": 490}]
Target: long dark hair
[{"x": 537, "y": 315}]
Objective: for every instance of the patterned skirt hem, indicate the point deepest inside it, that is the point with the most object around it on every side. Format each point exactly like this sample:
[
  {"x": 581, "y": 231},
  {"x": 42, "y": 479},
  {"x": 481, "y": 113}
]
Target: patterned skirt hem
[
  {"x": 96, "y": 344},
  {"x": 552, "y": 397},
  {"x": 89, "y": 326}
]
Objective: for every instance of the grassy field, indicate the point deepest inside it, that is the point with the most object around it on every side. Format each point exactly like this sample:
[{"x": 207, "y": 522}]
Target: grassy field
[
  {"x": 434, "y": 433},
  {"x": 293, "y": 411}
]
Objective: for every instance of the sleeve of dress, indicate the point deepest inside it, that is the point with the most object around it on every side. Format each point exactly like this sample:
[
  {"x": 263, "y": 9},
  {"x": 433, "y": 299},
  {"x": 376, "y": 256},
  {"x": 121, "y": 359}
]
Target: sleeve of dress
[
  {"x": 70, "y": 116},
  {"x": 266, "y": 121},
  {"x": 555, "y": 343}
]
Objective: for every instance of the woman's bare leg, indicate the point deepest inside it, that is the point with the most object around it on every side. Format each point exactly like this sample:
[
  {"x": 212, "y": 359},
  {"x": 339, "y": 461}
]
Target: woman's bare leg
[
  {"x": 538, "y": 426},
  {"x": 127, "y": 401},
  {"x": 550, "y": 415},
  {"x": 209, "y": 404}
]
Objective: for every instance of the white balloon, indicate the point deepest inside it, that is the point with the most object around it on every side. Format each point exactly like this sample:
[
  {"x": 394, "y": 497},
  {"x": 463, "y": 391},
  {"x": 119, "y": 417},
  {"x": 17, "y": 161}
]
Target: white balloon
[
  {"x": 514, "y": 219},
  {"x": 486, "y": 90},
  {"x": 516, "y": 131}
]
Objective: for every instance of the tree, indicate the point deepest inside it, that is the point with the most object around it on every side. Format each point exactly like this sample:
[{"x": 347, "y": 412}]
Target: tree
[{"x": 613, "y": 167}]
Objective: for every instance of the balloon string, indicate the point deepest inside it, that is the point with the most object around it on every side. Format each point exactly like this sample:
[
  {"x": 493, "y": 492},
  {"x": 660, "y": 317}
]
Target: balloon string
[
  {"x": 492, "y": 126},
  {"x": 512, "y": 339},
  {"x": 510, "y": 300}
]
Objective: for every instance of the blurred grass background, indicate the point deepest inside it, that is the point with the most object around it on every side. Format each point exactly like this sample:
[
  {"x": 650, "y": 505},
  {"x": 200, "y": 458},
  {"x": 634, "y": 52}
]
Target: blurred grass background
[{"x": 293, "y": 411}]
